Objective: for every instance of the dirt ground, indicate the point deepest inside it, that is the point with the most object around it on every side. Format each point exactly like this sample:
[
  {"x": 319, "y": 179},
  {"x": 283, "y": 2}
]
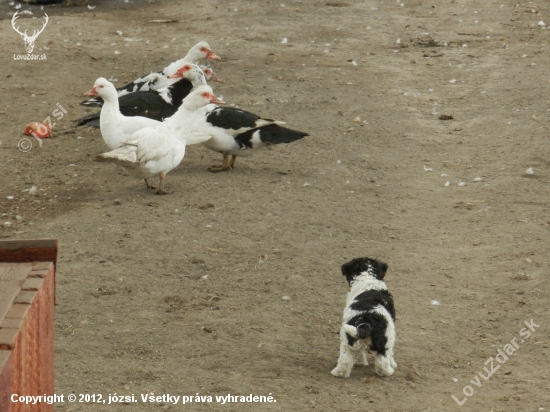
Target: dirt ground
[{"x": 231, "y": 284}]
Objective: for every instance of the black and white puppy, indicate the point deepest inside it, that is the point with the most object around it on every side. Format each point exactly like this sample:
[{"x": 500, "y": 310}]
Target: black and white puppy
[{"x": 369, "y": 318}]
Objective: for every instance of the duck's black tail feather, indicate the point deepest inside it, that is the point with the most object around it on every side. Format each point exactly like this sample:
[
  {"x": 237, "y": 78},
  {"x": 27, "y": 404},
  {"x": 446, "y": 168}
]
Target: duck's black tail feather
[{"x": 269, "y": 135}]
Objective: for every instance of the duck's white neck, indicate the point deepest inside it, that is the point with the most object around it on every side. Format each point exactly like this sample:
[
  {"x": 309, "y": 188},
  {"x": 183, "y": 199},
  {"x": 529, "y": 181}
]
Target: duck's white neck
[
  {"x": 192, "y": 56},
  {"x": 111, "y": 100}
]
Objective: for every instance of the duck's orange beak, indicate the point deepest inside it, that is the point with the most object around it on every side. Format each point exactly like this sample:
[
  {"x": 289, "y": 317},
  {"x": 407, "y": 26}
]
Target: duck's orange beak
[
  {"x": 214, "y": 99},
  {"x": 216, "y": 78},
  {"x": 92, "y": 92},
  {"x": 178, "y": 74},
  {"x": 212, "y": 56}
]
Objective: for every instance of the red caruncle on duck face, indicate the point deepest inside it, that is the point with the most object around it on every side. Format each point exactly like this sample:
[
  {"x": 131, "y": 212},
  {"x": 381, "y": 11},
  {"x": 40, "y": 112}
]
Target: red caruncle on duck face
[
  {"x": 181, "y": 72},
  {"x": 212, "y": 98}
]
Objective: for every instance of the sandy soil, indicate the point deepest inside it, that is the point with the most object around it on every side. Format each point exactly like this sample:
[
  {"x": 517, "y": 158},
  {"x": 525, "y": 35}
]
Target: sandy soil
[{"x": 183, "y": 294}]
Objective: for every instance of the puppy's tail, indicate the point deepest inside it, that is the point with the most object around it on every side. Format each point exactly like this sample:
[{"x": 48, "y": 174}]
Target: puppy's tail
[{"x": 361, "y": 331}]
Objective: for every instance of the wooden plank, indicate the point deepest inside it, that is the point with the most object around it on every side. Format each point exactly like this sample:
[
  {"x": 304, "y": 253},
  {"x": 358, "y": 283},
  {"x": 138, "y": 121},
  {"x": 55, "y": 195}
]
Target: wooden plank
[
  {"x": 4, "y": 358},
  {"x": 17, "y": 272},
  {"x": 27, "y": 320},
  {"x": 16, "y": 251},
  {"x": 6, "y": 385},
  {"x": 11, "y": 323},
  {"x": 39, "y": 273},
  {"x": 25, "y": 296},
  {"x": 32, "y": 284},
  {"x": 8, "y": 338},
  {"x": 8, "y": 292},
  {"x": 18, "y": 311},
  {"x": 41, "y": 265},
  {"x": 46, "y": 351}
]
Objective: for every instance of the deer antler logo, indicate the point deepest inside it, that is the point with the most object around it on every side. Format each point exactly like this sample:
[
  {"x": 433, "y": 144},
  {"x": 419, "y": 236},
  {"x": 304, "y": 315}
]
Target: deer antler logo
[{"x": 29, "y": 40}]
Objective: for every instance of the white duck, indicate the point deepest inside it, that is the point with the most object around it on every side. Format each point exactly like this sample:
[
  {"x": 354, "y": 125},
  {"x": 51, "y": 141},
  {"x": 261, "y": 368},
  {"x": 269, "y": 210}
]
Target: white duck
[
  {"x": 115, "y": 127},
  {"x": 156, "y": 150},
  {"x": 200, "y": 51},
  {"x": 187, "y": 126}
]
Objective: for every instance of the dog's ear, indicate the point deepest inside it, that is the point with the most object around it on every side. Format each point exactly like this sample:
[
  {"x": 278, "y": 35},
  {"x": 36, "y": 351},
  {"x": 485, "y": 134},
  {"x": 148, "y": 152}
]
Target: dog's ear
[
  {"x": 382, "y": 269},
  {"x": 351, "y": 269}
]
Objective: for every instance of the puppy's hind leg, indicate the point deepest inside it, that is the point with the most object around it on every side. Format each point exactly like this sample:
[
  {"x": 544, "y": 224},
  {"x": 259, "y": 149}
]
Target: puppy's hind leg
[
  {"x": 364, "y": 355},
  {"x": 345, "y": 361},
  {"x": 383, "y": 345},
  {"x": 363, "y": 361}
]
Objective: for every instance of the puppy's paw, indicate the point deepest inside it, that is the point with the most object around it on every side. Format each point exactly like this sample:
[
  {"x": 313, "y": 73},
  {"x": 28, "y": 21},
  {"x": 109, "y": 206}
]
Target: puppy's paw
[
  {"x": 388, "y": 371},
  {"x": 338, "y": 373}
]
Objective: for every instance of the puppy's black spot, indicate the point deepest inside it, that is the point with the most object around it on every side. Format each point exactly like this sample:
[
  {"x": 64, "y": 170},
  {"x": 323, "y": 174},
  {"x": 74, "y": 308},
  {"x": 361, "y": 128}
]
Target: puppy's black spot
[{"x": 371, "y": 298}]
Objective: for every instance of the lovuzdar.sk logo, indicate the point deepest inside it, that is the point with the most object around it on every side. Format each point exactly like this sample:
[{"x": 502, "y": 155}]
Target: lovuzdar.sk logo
[{"x": 29, "y": 39}]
